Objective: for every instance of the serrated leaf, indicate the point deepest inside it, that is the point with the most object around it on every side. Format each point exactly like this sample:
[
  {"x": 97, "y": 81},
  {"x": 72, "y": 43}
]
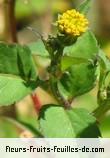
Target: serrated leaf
[
  {"x": 77, "y": 80},
  {"x": 104, "y": 63},
  {"x": 13, "y": 89},
  {"x": 103, "y": 96},
  {"x": 17, "y": 73},
  {"x": 84, "y": 7},
  {"x": 56, "y": 122},
  {"x": 86, "y": 47},
  {"x": 67, "y": 62}
]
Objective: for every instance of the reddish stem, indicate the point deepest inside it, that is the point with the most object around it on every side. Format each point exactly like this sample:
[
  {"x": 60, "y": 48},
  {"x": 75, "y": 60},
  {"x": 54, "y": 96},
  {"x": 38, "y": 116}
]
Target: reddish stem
[{"x": 37, "y": 103}]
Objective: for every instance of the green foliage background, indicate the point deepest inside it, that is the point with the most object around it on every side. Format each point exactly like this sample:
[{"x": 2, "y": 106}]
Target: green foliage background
[{"x": 19, "y": 71}]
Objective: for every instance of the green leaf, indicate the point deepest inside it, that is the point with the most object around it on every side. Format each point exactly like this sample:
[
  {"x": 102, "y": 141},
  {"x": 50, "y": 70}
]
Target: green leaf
[
  {"x": 104, "y": 63},
  {"x": 69, "y": 61},
  {"x": 103, "y": 96},
  {"x": 104, "y": 78},
  {"x": 84, "y": 7},
  {"x": 56, "y": 122},
  {"x": 40, "y": 54},
  {"x": 13, "y": 89},
  {"x": 10, "y": 128},
  {"x": 77, "y": 80},
  {"x": 80, "y": 75},
  {"x": 17, "y": 73},
  {"x": 86, "y": 47},
  {"x": 38, "y": 48}
]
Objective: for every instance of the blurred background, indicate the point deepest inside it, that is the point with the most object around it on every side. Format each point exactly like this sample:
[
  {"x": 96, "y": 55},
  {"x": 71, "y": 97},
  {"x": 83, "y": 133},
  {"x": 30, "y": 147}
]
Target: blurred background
[{"x": 15, "y": 17}]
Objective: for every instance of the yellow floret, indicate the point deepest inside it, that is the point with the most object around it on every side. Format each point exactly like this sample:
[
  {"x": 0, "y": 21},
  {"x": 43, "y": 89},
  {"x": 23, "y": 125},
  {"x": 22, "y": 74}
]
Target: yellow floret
[{"x": 72, "y": 22}]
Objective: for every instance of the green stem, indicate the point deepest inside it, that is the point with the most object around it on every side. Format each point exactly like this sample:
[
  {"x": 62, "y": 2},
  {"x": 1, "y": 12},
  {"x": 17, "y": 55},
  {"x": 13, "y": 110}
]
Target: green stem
[
  {"x": 55, "y": 47},
  {"x": 57, "y": 95},
  {"x": 102, "y": 109}
]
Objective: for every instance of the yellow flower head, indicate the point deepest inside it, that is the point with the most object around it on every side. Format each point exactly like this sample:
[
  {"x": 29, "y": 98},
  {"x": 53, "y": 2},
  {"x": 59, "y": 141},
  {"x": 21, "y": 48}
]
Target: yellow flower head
[{"x": 72, "y": 22}]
